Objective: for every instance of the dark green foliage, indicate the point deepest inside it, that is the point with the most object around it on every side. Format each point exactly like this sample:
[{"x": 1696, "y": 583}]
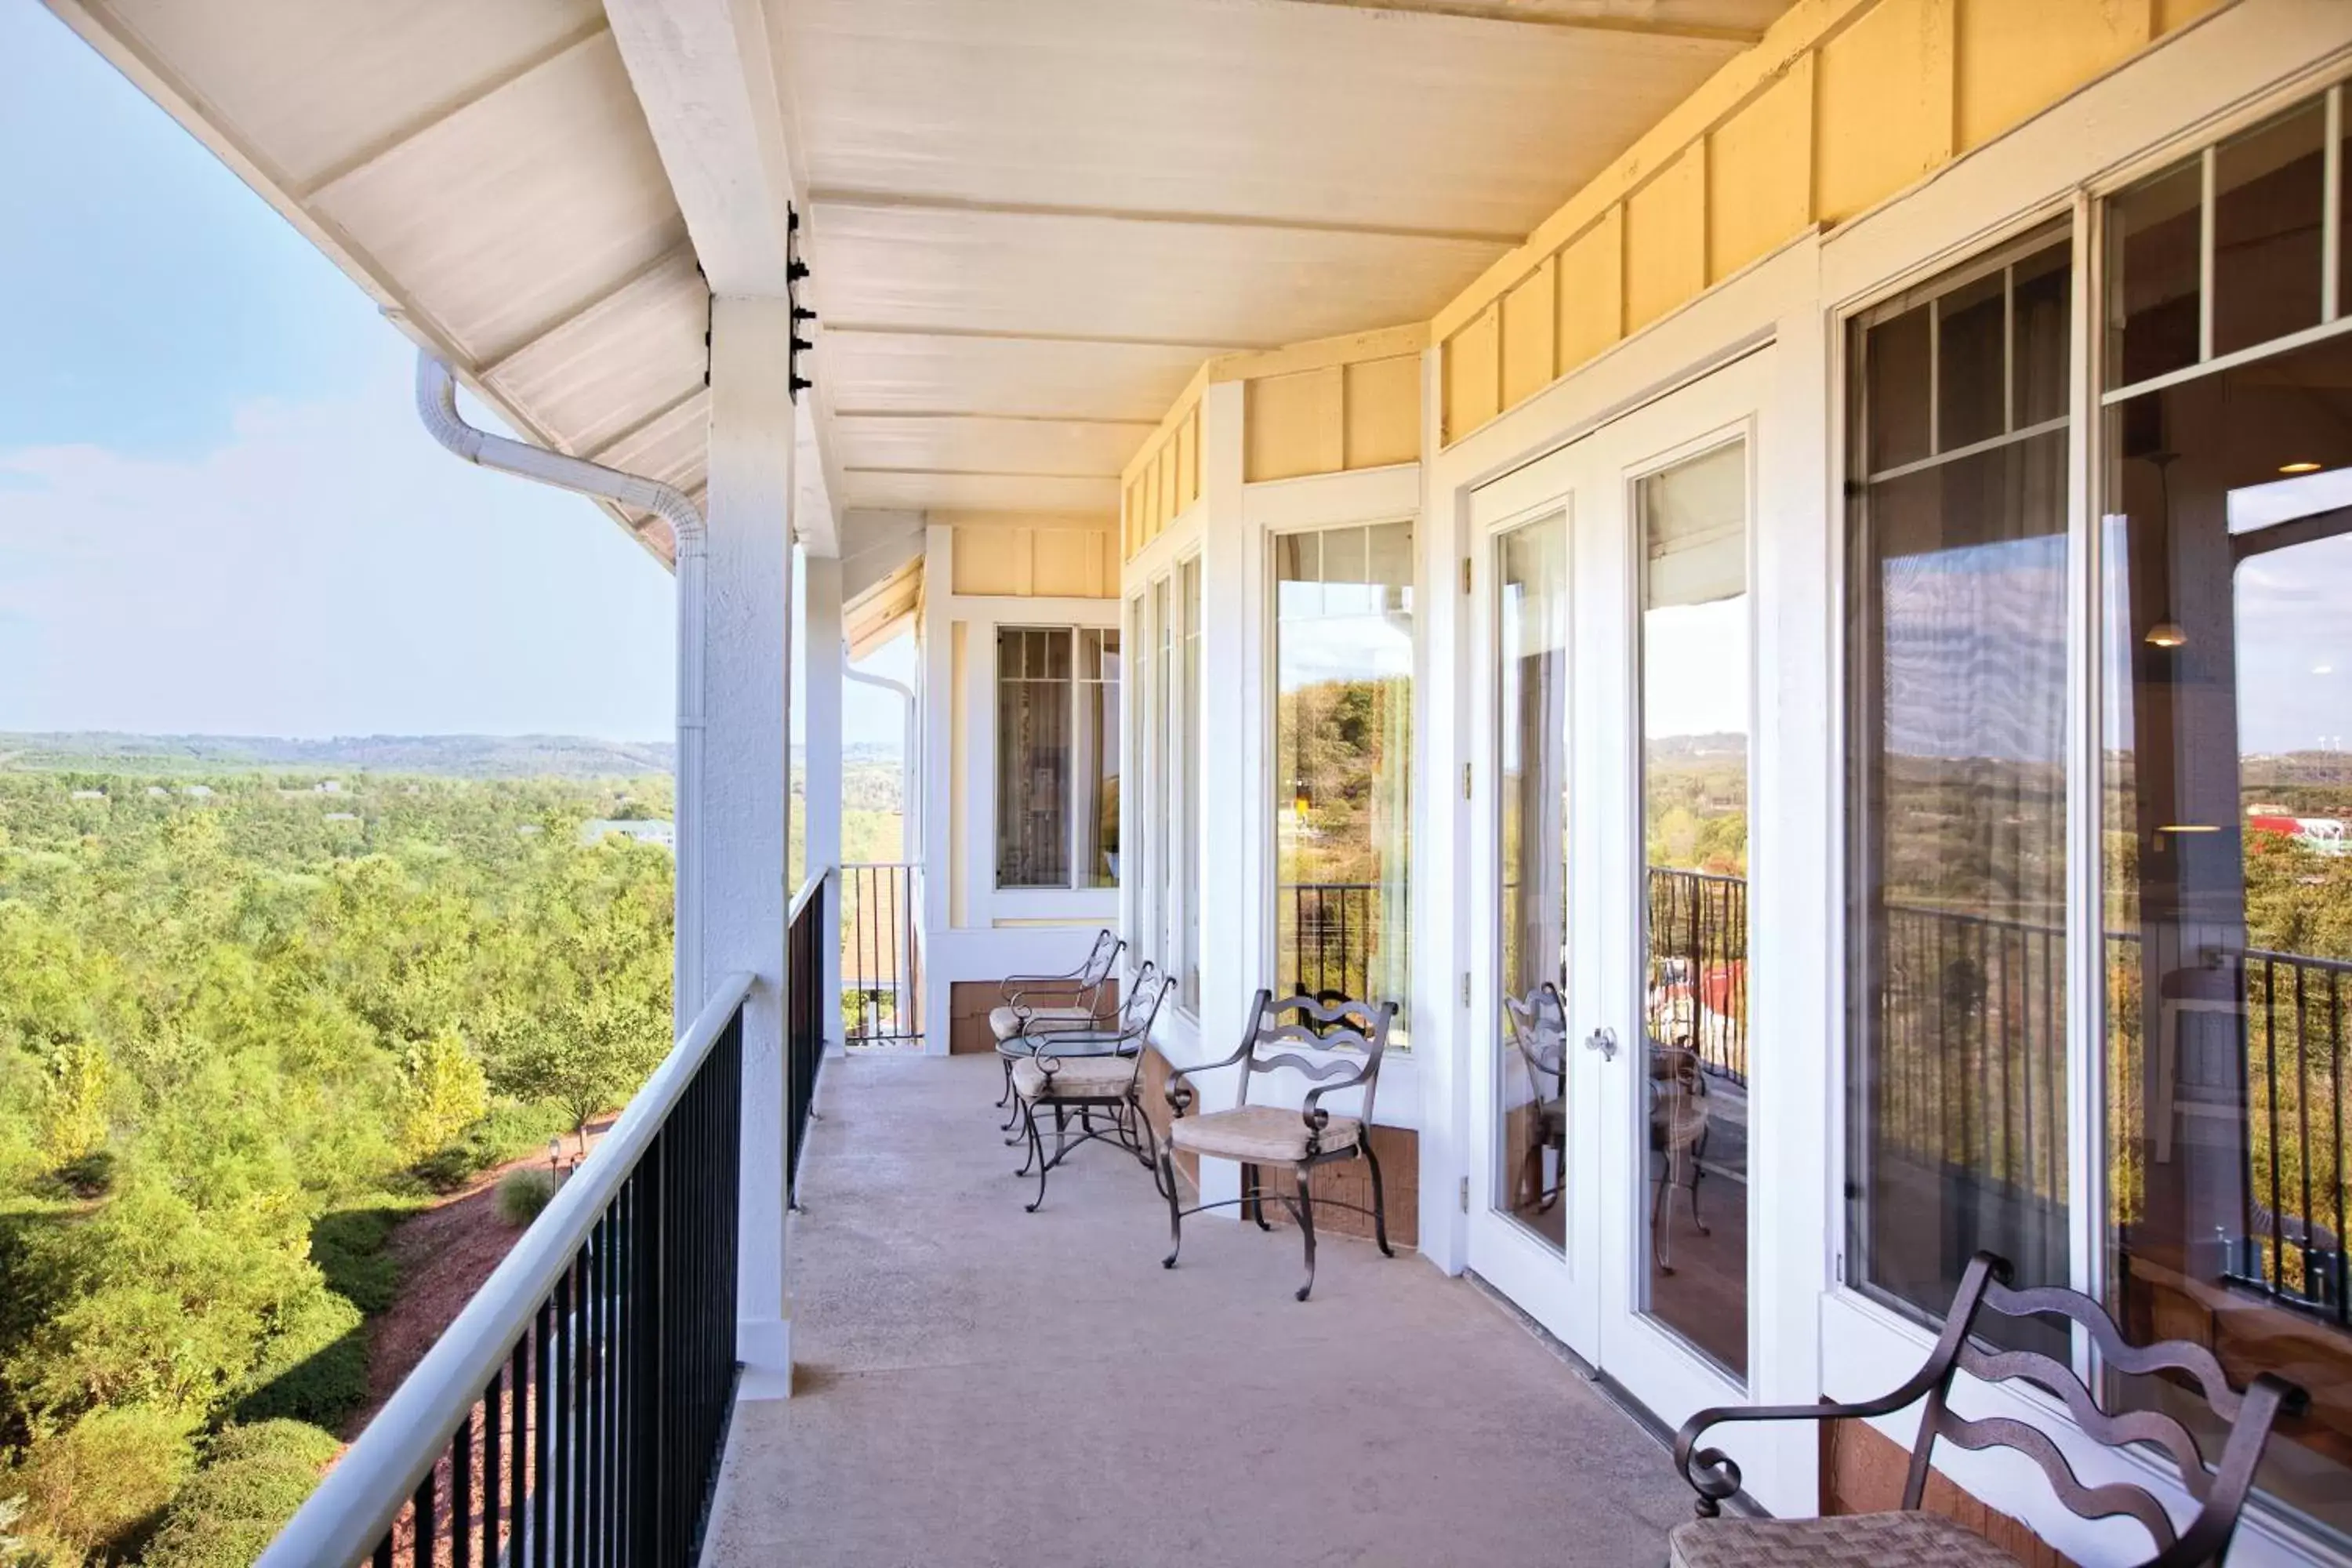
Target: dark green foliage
[
  {"x": 253, "y": 1479},
  {"x": 348, "y": 1246},
  {"x": 246, "y": 1023},
  {"x": 314, "y": 1367}
]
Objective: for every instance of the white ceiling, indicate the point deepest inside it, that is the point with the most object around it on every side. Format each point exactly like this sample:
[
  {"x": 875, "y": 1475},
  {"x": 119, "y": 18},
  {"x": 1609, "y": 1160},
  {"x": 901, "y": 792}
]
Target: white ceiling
[
  {"x": 1055, "y": 210},
  {"x": 1030, "y": 220}
]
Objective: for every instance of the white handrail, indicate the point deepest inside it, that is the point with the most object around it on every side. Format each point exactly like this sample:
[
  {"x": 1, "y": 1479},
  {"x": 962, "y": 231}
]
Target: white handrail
[{"x": 355, "y": 1506}]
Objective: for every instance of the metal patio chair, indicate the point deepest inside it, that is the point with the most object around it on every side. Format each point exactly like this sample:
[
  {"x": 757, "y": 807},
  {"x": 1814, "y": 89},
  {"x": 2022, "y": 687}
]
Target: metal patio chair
[
  {"x": 1346, "y": 1039},
  {"x": 1538, "y": 1029},
  {"x": 1085, "y": 1070},
  {"x": 1912, "y": 1537},
  {"x": 1072, "y": 997}
]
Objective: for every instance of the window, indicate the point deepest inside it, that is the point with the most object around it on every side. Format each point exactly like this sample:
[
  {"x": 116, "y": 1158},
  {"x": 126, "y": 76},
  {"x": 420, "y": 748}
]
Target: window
[
  {"x": 1694, "y": 721},
  {"x": 1057, "y": 757},
  {"x": 2225, "y": 812},
  {"x": 1188, "y": 799},
  {"x": 1343, "y": 649},
  {"x": 1955, "y": 682}
]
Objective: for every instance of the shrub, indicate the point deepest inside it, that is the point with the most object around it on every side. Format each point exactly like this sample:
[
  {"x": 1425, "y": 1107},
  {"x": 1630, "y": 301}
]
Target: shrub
[
  {"x": 95, "y": 1485},
  {"x": 314, "y": 1368},
  {"x": 523, "y": 1193},
  {"x": 253, "y": 1478},
  {"x": 347, "y": 1248}
]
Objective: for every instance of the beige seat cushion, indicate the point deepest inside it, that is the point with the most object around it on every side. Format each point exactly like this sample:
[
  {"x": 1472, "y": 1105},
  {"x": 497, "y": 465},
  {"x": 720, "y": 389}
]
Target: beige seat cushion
[
  {"x": 1073, "y": 1077},
  {"x": 1259, "y": 1133},
  {"x": 1006, "y": 1021},
  {"x": 1851, "y": 1540}
]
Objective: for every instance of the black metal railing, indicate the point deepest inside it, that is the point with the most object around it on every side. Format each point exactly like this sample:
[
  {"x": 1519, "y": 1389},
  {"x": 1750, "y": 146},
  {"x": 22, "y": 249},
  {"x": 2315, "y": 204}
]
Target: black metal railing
[
  {"x": 1698, "y": 966},
  {"x": 804, "y": 1003},
  {"x": 574, "y": 1411},
  {"x": 1328, "y": 930},
  {"x": 2291, "y": 1247},
  {"x": 881, "y": 963}
]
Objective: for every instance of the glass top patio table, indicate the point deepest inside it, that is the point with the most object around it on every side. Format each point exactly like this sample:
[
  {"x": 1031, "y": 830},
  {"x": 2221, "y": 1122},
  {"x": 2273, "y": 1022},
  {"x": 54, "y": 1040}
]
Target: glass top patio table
[{"x": 1064, "y": 1043}]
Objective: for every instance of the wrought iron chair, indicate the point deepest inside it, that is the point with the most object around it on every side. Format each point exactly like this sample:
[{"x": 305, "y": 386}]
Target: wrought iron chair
[
  {"x": 1305, "y": 1139},
  {"x": 1679, "y": 1121},
  {"x": 1910, "y": 1536},
  {"x": 1538, "y": 1030},
  {"x": 1085, "y": 1070},
  {"x": 1072, "y": 997}
]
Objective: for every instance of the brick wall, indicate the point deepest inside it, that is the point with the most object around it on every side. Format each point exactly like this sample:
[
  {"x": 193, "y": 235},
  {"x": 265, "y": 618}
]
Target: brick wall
[{"x": 1862, "y": 1471}]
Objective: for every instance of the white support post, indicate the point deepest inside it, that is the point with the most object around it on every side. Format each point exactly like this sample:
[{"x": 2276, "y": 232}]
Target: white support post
[
  {"x": 746, "y": 784},
  {"x": 822, "y": 764},
  {"x": 1234, "y": 871}
]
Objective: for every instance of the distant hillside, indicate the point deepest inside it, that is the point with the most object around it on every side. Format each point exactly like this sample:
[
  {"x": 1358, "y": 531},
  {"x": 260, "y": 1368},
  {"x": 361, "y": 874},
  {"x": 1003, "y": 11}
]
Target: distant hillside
[{"x": 460, "y": 757}]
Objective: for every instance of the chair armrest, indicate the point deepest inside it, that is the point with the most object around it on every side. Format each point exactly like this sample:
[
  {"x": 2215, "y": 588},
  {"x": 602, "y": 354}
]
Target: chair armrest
[
  {"x": 1715, "y": 1475},
  {"x": 1180, "y": 1093},
  {"x": 1316, "y": 1117}
]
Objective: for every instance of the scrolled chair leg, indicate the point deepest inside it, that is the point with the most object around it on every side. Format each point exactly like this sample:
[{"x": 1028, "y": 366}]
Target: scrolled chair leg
[
  {"x": 1044, "y": 1165},
  {"x": 1175, "y": 1205},
  {"x": 1028, "y": 1137},
  {"x": 1380, "y": 1198},
  {"x": 1254, "y": 1188},
  {"x": 1006, "y": 1098},
  {"x": 1305, "y": 1209}
]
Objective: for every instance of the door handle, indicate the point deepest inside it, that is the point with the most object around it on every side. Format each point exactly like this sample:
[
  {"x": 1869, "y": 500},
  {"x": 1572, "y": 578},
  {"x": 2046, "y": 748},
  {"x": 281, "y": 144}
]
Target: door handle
[{"x": 1603, "y": 1040}]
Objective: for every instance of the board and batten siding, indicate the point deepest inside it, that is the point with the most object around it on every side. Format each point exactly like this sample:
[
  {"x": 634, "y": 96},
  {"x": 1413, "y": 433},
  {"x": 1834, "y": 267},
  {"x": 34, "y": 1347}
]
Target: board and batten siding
[{"x": 1843, "y": 104}]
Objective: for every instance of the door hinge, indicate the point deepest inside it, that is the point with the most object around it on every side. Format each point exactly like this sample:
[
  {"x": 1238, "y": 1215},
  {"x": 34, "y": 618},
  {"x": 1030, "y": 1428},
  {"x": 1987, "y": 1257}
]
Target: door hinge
[
  {"x": 1466, "y": 781},
  {"x": 1466, "y": 573},
  {"x": 1466, "y": 1194},
  {"x": 1466, "y": 988}
]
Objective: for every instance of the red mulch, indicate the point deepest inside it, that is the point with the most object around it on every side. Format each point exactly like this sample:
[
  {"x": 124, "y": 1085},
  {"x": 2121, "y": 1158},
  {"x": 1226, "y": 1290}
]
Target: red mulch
[{"x": 443, "y": 1253}]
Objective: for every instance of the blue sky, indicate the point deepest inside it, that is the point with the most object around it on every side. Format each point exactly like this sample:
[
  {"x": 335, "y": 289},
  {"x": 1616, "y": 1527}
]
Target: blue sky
[{"x": 218, "y": 512}]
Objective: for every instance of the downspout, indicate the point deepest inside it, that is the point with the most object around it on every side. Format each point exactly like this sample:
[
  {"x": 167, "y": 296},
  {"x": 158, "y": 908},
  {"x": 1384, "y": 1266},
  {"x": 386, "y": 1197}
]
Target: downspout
[
  {"x": 436, "y": 406},
  {"x": 912, "y": 850}
]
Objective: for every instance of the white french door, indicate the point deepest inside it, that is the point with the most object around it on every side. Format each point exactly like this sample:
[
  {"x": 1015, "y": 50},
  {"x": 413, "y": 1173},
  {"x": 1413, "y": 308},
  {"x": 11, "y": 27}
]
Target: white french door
[{"x": 1611, "y": 1190}]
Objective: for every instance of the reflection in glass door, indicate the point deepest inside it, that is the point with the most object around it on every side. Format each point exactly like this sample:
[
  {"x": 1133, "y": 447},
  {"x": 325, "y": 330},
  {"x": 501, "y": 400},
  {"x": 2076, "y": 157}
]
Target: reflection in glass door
[
  {"x": 1693, "y": 651},
  {"x": 1530, "y": 1074}
]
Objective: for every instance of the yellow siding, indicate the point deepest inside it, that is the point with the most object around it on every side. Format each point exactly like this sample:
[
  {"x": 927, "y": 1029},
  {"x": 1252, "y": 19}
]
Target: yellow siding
[
  {"x": 1472, "y": 390},
  {"x": 1666, "y": 239},
  {"x": 1383, "y": 397},
  {"x": 1048, "y": 560},
  {"x": 1592, "y": 291},
  {"x": 1293, "y": 424},
  {"x": 1530, "y": 340},
  {"x": 1759, "y": 174},
  {"x": 1883, "y": 105},
  {"x": 2017, "y": 57},
  {"x": 1843, "y": 104}
]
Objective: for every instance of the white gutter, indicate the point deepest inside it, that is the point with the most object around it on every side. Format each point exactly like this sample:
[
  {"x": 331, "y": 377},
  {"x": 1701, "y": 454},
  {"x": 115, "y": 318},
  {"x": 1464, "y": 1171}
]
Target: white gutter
[
  {"x": 436, "y": 406},
  {"x": 913, "y": 848}
]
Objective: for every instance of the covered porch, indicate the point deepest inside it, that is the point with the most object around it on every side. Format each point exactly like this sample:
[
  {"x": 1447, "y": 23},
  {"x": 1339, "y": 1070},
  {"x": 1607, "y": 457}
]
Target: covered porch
[{"x": 975, "y": 1383}]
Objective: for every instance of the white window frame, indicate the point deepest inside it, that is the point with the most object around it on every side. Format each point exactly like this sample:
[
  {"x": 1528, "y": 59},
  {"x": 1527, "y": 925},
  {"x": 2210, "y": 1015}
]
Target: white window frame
[{"x": 1077, "y": 844}]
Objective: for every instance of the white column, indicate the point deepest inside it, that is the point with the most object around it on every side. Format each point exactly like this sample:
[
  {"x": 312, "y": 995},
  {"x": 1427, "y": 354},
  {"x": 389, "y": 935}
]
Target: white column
[
  {"x": 820, "y": 753},
  {"x": 1233, "y": 723},
  {"x": 746, "y": 782}
]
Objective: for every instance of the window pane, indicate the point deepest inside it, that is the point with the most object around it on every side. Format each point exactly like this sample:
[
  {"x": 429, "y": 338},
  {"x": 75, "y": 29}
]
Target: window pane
[
  {"x": 1955, "y": 682},
  {"x": 1531, "y": 797},
  {"x": 1187, "y": 831},
  {"x": 1033, "y": 757},
  {"x": 1097, "y": 766},
  {"x": 2228, "y": 890},
  {"x": 2152, "y": 294},
  {"x": 1969, "y": 360},
  {"x": 2267, "y": 189},
  {"x": 1897, "y": 361},
  {"x": 1694, "y": 659},
  {"x": 2042, "y": 287},
  {"x": 1342, "y": 761}
]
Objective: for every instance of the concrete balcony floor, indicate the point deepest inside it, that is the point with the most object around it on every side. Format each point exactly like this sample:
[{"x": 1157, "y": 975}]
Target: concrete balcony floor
[{"x": 977, "y": 1385}]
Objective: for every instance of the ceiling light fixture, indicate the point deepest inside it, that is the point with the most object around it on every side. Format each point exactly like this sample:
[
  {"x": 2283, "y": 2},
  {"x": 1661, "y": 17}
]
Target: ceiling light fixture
[
  {"x": 2166, "y": 634},
  {"x": 2300, "y": 468}
]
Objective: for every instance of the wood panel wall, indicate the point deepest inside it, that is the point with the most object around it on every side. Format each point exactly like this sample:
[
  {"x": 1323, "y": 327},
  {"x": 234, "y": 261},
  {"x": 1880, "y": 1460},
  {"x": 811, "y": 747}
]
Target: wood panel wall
[
  {"x": 1862, "y": 1471},
  {"x": 1016, "y": 559},
  {"x": 1843, "y": 104}
]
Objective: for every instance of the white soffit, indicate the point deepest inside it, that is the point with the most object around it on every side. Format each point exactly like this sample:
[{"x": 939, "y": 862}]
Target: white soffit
[
  {"x": 1031, "y": 221},
  {"x": 483, "y": 170}
]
